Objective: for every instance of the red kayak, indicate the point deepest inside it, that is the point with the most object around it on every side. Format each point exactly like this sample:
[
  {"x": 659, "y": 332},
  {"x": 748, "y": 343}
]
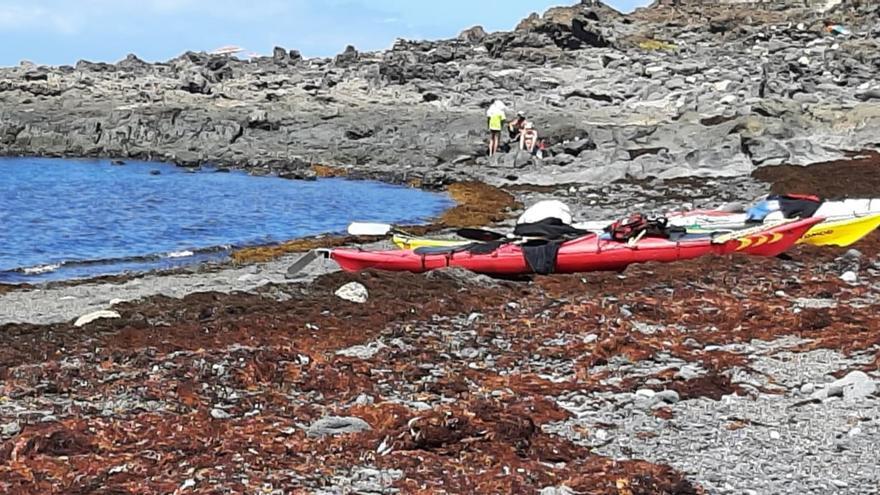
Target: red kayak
[{"x": 585, "y": 254}]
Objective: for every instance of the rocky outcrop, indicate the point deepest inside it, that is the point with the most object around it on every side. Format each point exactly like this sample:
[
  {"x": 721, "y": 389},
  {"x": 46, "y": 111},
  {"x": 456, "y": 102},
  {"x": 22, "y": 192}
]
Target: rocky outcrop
[{"x": 664, "y": 92}]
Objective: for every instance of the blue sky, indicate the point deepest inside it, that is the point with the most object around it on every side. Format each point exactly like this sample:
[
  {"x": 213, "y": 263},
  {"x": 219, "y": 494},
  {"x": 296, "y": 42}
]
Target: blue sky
[{"x": 64, "y": 31}]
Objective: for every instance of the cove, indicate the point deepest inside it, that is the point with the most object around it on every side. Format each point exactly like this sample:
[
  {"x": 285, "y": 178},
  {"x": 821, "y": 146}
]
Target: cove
[{"x": 63, "y": 219}]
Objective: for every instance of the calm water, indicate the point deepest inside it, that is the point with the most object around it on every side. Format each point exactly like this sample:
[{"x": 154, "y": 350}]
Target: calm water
[{"x": 62, "y": 219}]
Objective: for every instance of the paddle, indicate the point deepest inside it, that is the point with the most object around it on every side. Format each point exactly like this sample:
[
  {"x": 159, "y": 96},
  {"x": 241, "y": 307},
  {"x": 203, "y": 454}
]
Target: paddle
[
  {"x": 480, "y": 235},
  {"x": 304, "y": 261},
  {"x": 380, "y": 229}
]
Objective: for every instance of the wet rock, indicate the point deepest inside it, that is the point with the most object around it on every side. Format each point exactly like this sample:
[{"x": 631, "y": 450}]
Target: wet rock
[
  {"x": 353, "y": 292},
  {"x": 97, "y": 315},
  {"x": 335, "y": 425}
]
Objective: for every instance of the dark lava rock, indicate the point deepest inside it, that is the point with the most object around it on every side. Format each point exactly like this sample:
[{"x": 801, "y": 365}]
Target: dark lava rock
[
  {"x": 347, "y": 57},
  {"x": 357, "y": 134},
  {"x": 280, "y": 55},
  {"x": 475, "y": 34}
]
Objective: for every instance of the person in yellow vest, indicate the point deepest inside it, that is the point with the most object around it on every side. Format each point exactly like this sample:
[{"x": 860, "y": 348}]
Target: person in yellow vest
[{"x": 496, "y": 117}]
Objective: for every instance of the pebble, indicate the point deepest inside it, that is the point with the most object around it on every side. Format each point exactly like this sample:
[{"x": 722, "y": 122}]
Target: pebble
[{"x": 850, "y": 277}]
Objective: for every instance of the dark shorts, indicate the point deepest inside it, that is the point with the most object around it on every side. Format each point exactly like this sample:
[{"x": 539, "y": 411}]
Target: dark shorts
[{"x": 494, "y": 133}]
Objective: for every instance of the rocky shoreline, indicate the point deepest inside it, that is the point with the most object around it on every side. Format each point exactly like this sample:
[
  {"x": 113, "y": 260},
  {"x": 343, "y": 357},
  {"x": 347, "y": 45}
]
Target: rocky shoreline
[
  {"x": 722, "y": 375},
  {"x": 666, "y": 92}
]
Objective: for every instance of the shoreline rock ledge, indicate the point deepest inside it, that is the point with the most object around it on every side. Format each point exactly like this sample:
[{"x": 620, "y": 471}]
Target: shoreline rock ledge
[{"x": 678, "y": 89}]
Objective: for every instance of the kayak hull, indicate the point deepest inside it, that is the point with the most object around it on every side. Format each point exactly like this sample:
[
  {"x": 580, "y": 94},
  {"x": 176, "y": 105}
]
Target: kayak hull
[
  {"x": 842, "y": 232},
  {"x": 585, "y": 254}
]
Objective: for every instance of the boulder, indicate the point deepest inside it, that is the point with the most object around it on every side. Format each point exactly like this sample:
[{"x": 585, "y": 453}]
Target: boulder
[
  {"x": 336, "y": 425},
  {"x": 280, "y": 56},
  {"x": 578, "y": 146},
  {"x": 516, "y": 159},
  {"x": 588, "y": 32},
  {"x": 473, "y": 35},
  {"x": 353, "y": 292},
  {"x": 348, "y": 57}
]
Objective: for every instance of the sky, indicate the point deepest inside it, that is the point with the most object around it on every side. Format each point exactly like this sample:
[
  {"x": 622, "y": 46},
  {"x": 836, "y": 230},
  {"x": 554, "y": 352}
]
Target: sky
[{"x": 58, "y": 32}]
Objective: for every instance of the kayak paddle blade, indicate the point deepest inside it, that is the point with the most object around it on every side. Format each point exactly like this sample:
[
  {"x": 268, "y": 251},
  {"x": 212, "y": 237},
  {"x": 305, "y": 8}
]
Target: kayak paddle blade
[
  {"x": 479, "y": 235},
  {"x": 300, "y": 264},
  {"x": 371, "y": 229}
]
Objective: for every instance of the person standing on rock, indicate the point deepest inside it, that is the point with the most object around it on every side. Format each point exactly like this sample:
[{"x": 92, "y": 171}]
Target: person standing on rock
[{"x": 496, "y": 117}]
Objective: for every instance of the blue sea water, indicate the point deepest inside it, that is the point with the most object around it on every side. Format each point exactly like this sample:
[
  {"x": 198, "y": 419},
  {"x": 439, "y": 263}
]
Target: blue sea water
[{"x": 63, "y": 219}]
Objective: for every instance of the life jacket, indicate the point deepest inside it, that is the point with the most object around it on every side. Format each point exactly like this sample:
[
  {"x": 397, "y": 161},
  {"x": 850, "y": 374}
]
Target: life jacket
[{"x": 496, "y": 122}]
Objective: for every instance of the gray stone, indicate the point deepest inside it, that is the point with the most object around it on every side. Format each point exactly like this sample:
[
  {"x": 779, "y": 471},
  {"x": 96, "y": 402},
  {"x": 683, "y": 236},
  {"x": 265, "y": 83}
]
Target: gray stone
[
  {"x": 10, "y": 429},
  {"x": 557, "y": 490},
  {"x": 516, "y": 159},
  {"x": 575, "y": 148},
  {"x": 362, "y": 351},
  {"x": 218, "y": 413},
  {"x": 676, "y": 83},
  {"x": 667, "y": 396},
  {"x": 335, "y": 425}
]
